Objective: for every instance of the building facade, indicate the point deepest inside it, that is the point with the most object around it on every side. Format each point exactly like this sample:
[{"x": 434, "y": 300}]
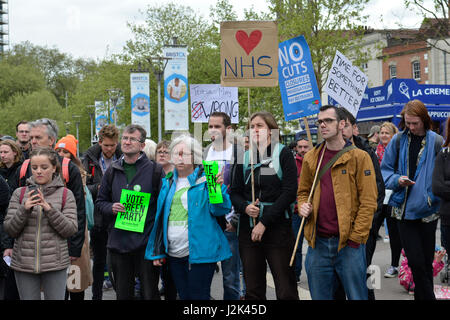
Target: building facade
[{"x": 4, "y": 26}]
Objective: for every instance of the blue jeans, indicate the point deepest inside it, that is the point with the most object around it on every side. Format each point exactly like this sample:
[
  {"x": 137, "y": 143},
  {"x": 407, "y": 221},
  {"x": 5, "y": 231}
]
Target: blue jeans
[
  {"x": 324, "y": 264},
  {"x": 231, "y": 268},
  {"x": 296, "y": 222},
  {"x": 193, "y": 281}
]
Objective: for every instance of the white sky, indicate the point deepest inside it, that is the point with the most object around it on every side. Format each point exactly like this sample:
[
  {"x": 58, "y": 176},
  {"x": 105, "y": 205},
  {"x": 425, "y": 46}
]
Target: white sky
[{"x": 93, "y": 28}]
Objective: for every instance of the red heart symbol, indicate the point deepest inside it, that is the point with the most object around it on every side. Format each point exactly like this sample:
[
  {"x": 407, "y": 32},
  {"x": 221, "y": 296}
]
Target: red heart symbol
[{"x": 246, "y": 42}]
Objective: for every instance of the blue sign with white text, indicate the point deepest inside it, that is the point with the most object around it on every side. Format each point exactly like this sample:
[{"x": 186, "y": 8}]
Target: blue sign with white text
[{"x": 298, "y": 85}]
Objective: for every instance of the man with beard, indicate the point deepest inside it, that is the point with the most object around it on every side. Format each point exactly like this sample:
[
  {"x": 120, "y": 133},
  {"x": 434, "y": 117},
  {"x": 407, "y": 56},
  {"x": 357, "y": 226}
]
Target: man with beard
[{"x": 223, "y": 151}]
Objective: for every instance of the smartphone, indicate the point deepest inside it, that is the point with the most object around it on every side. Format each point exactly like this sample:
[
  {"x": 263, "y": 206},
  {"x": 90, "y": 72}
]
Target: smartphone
[{"x": 33, "y": 190}]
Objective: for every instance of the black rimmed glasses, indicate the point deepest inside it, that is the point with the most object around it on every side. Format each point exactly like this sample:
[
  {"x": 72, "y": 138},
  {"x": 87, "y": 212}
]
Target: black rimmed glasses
[{"x": 327, "y": 121}]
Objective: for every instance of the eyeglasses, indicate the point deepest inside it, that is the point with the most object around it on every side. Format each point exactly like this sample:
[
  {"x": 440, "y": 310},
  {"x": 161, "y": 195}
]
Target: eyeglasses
[
  {"x": 327, "y": 121},
  {"x": 161, "y": 153},
  {"x": 131, "y": 139}
]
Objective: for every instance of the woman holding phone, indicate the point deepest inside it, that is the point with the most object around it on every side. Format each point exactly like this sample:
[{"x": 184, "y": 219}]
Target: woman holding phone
[{"x": 41, "y": 217}]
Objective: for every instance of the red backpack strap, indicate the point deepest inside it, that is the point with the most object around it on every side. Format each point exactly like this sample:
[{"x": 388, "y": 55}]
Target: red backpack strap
[
  {"x": 65, "y": 170},
  {"x": 64, "y": 198},
  {"x": 22, "y": 194},
  {"x": 92, "y": 169},
  {"x": 23, "y": 169}
]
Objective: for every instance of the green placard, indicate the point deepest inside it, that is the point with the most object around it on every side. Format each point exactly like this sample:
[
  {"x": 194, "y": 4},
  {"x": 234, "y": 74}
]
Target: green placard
[
  {"x": 136, "y": 207},
  {"x": 214, "y": 189}
]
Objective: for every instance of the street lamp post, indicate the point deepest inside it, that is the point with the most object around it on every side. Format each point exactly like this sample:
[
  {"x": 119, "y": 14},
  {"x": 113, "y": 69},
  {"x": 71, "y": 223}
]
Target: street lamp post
[
  {"x": 158, "y": 70},
  {"x": 67, "y": 124},
  {"x": 91, "y": 109},
  {"x": 77, "y": 123}
]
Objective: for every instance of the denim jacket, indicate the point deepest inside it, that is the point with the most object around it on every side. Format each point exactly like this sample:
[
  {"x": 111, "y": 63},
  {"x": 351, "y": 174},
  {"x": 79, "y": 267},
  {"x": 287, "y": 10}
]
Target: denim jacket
[{"x": 421, "y": 202}]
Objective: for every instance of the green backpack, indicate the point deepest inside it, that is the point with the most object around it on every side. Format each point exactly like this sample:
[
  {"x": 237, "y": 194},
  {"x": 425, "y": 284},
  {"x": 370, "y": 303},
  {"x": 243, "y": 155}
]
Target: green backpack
[{"x": 275, "y": 159}]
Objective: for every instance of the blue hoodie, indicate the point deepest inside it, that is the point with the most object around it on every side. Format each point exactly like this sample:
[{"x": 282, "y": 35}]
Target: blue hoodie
[
  {"x": 421, "y": 201},
  {"x": 207, "y": 243}
]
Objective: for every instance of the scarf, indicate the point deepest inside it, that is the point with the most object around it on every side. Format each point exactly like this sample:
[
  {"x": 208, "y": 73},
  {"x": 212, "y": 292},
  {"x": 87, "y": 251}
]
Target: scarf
[{"x": 380, "y": 152}]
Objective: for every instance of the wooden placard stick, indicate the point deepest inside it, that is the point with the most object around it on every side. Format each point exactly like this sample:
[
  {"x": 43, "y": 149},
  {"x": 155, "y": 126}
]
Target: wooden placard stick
[
  {"x": 251, "y": 153},
  {"x": 309, "y": 201},
  {"x": 308, "y": 132}
]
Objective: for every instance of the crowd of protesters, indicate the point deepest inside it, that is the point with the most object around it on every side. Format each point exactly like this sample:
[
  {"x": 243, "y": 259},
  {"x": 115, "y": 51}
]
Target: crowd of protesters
[{"x": 60, "y": 210}]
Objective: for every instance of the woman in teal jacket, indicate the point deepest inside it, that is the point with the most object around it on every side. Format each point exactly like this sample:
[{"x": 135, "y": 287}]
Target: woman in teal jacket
[{"x": 186, "y": 231}]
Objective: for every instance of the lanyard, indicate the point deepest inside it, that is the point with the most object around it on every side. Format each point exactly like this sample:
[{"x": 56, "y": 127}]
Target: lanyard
[{"x": 103, "y": 163}]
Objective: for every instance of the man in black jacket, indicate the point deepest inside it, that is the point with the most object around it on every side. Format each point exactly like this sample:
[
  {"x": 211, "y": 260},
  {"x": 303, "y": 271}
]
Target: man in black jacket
[
  {"x": 96, "y": 160},
  {"x": 44, "y": 133},
  {"x": 133, "y": 171},
  {"x": 363, "y": 144},
  {"x": 23, "y": 138}
]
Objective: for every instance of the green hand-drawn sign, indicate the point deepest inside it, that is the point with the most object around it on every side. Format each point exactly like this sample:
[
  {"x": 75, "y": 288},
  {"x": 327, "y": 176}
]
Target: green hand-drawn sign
[{"x": 214, "y": 189}]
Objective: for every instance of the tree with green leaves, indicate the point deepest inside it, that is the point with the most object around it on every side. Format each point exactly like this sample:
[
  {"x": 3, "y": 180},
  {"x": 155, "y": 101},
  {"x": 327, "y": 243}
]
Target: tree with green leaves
[
  {"x": 62, "y": 73},
  {"x": 326, "y": 25},
  {"x": 29, "y": 106},
  {"x": 436, "y": 24},
  {"x": 20, "y": 79},
  {"x": 108, "y": 74},
  {"x": 202, "y": 38}
]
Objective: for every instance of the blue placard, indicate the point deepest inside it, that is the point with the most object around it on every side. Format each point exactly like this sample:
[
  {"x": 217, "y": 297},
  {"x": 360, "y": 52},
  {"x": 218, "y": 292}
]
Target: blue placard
[{"x": 298, "y": 85}]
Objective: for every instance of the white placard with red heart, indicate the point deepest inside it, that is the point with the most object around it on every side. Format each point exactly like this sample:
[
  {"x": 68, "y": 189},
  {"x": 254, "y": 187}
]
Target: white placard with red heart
[{"x": 249, "y": 54}]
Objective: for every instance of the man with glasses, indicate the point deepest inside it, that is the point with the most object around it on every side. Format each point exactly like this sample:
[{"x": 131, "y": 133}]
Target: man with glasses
[
  {"x": 23, "y": 138},
  {"x": 339, "y": 213},
  {"x": 133, "y": 171},
  {"x": 96, "y": 160}
]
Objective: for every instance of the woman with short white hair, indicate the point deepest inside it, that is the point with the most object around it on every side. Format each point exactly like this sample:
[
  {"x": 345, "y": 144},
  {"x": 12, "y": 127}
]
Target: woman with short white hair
[
  {"x": 150, "y": 149},
  {"x": 186, "y": 230}
]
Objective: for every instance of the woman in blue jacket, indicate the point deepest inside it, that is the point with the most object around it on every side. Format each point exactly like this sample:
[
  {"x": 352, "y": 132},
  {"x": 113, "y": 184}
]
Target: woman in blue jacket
[
  {"x": 186, "y": 231},
  {"x": 407, "y": 168}
]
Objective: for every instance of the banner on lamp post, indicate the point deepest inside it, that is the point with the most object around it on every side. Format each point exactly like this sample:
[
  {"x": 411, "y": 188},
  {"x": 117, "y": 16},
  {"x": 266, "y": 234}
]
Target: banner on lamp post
[
  {"x": 101, "y": 116},
  {"x": 140, "y": 100},
  {"x": 176, "y": 106}
]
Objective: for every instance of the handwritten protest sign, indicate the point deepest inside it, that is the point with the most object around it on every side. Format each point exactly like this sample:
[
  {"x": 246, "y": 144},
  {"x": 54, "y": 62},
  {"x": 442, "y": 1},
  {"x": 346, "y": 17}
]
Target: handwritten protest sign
[
  {"x": 214, "y": 189},
  {"x": 298, "y": 85},
  {"x": 346, "y": 83},
  {"x": 249, "y": 53},
  {"x": 209, "y": 98},
  {"x": 136, "y": 207}
]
